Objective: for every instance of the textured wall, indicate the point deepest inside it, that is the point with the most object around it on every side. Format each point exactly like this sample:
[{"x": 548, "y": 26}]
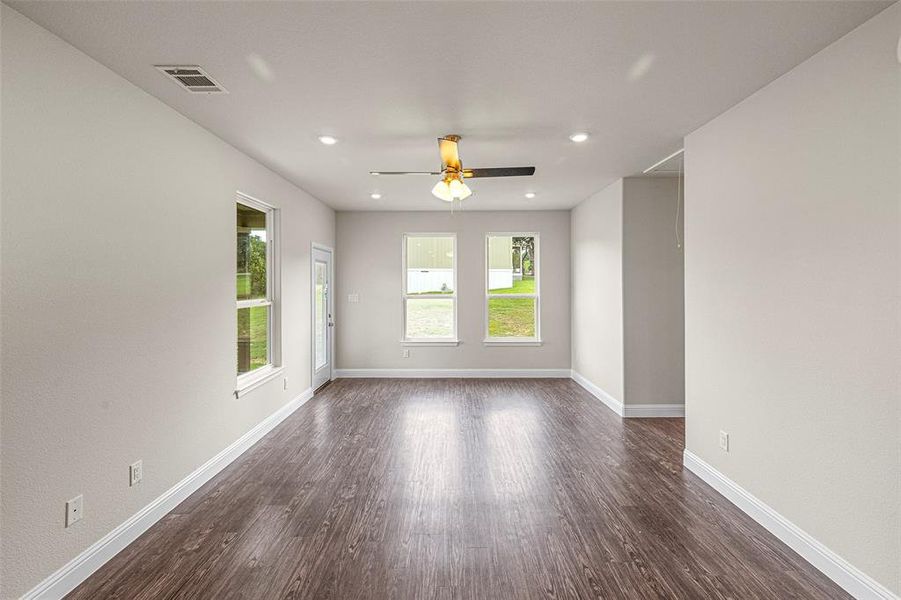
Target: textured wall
[
  {"x": 597, "y": 296},
  {"x": 369, "y": 264},
  {"x": 628, "y": 318},
  {"x": 653, "y": 292},
  {"x": 792, "y": 295},
  {"x": 118, "y": 297}
]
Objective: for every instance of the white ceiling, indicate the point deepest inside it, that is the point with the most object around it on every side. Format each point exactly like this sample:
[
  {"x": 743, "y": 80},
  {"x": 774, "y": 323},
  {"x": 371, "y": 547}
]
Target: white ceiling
[{"x": 514, "y": 79}]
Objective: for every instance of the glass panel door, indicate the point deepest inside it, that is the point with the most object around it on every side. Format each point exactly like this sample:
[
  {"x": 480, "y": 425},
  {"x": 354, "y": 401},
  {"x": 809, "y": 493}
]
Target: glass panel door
[
  {"x": 321, "y": 318},
  {"x": 323, "y": 326}
]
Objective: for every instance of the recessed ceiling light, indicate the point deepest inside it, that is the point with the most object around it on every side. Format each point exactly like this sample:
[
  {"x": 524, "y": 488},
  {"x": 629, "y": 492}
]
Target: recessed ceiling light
[
  {"x": 375, "y": 196},
  {"x": 328, "y": 140},
  {"x": 374, "y": 173},
  {"x": 579, "y": 137},
  {"x": 530, "y": 195}
]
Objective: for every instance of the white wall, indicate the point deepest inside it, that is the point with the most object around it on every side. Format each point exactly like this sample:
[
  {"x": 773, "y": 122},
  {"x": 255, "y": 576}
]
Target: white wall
[
  {"x": 627, "y": 292},
  {"x": 597, "y": 294},
  {"x": 792, "y": 296},
  {"x": 118, "y": 297},
  {"x": 653, "y": 292},
  {"x": 369, "y": 259}
]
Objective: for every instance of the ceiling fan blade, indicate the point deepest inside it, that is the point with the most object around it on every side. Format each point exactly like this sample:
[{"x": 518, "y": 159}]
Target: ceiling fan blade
[
  {"x": 499, "y": 172},
  {"x": 450, "y": 157},
  {"x": 404, "y": 173}
]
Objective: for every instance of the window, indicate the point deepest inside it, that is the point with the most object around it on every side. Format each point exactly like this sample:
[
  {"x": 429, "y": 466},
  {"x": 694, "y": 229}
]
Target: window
[
  {"x": 256, "y": 291},
  {"x": 512, "y": 291},
  {"x": 430, "y": 289}
]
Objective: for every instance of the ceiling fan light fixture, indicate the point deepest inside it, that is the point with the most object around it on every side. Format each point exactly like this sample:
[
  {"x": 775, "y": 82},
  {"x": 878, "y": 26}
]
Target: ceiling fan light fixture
[
  {"x": 459, "y": 190},
  {"x": 451, "y": 189},
  {"x": 452, "y": 185},
  {"x": 442, "y": 191}
]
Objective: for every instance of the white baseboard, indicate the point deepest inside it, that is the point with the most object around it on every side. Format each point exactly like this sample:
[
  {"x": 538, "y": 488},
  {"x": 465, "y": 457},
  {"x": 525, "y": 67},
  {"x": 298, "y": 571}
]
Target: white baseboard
[
  {"x": 455, "y": 373},
  {"x": 611, "y": 402},
  {"x": 79, "y": 568},
  {"x": 629, "y": 411},
  {"x": 653, "y": 410},
  {"x": 851, "y": 579}
]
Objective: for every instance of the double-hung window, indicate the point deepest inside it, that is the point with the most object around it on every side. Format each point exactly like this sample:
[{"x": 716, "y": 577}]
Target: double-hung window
[
  {"x": 512, "y": 297},
  {"x": 256, "y": 292},
  {"x": 430, "y": 289}
]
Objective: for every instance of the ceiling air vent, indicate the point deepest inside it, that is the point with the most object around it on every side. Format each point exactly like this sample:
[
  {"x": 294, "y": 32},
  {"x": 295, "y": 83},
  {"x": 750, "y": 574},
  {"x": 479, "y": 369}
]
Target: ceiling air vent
[{"x": 192, "y": 78}]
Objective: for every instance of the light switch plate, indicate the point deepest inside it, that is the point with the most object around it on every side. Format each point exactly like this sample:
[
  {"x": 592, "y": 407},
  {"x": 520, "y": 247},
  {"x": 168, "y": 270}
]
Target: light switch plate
[
  {"x": 353, "y": 298},
  {"x": 724, "y": 441}
]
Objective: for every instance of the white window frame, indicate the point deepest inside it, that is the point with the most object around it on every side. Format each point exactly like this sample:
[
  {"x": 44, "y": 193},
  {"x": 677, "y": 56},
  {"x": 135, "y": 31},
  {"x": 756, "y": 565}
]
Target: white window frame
[
  {"x": 404, "y": 340},
  {"x": 253, "y": 379},
  {"x": 513, "y": 341}
]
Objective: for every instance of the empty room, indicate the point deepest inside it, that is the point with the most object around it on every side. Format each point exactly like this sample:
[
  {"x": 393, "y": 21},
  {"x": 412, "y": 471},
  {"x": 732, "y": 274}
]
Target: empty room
[{"x": 440, "y": 300}]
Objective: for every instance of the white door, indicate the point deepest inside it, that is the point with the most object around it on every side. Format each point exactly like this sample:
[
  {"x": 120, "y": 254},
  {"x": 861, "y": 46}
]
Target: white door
[{"x": 323, "y": 326}]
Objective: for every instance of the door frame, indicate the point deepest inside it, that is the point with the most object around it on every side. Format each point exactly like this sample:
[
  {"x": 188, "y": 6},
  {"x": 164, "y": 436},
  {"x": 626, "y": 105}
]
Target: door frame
[{"x": 331, "y": 309}]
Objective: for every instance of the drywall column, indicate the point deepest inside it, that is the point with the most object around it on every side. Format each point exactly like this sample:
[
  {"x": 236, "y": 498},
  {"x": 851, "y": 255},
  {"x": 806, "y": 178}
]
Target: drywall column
[
  {"x": 597, "y": 291},
  {"x": 628, "y": 297}
]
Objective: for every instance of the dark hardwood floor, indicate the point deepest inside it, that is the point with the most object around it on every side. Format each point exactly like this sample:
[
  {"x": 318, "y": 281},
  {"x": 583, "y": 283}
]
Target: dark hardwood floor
[{"x": 458, "y": 488}]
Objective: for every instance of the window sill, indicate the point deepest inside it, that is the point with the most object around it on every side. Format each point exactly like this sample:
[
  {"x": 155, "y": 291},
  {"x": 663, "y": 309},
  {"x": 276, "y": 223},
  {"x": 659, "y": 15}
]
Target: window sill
[
  {"x": 511, "y": 342},
  {"x": 430, "y": 343},
  {"x": 255, "y": 379}
]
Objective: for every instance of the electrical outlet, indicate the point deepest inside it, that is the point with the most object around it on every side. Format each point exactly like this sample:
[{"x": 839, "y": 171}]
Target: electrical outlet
[
  {"x": 286, "y": 383},
  {"x": 353, "y": 298},
  {"x": 724, "y": 441},
  {"x": 135, "y": 473},
  {"x": 406, "y": 353},
  {"x": 74, "y": 510}
]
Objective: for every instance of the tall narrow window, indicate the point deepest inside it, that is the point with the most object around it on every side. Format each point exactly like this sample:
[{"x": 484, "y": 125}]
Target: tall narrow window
[
  {"x": 512, "y": 291},
  {"x": 256, "y": 284},
  {"x": 430, "y": 288}
]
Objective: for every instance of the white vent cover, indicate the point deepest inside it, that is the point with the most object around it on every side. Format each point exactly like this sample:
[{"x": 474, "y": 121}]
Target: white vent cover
[{"x": 192, "y": 78}]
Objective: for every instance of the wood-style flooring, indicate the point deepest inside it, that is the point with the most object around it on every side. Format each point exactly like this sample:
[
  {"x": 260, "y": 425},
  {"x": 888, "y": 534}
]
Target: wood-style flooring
[{"x": 458, "y": 488}]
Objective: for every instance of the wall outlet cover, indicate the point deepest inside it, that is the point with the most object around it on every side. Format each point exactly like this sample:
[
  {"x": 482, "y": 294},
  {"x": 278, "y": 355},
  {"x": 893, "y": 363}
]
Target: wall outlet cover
[
  {"x": 724, "y": 441},
  {"x": 135, "y": 473},
  {"x": 74, "y": 510}
]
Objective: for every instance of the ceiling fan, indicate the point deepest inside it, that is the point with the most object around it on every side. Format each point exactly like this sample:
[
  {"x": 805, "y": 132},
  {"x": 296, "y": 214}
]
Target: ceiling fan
[{"x": 451, "y": 187}]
